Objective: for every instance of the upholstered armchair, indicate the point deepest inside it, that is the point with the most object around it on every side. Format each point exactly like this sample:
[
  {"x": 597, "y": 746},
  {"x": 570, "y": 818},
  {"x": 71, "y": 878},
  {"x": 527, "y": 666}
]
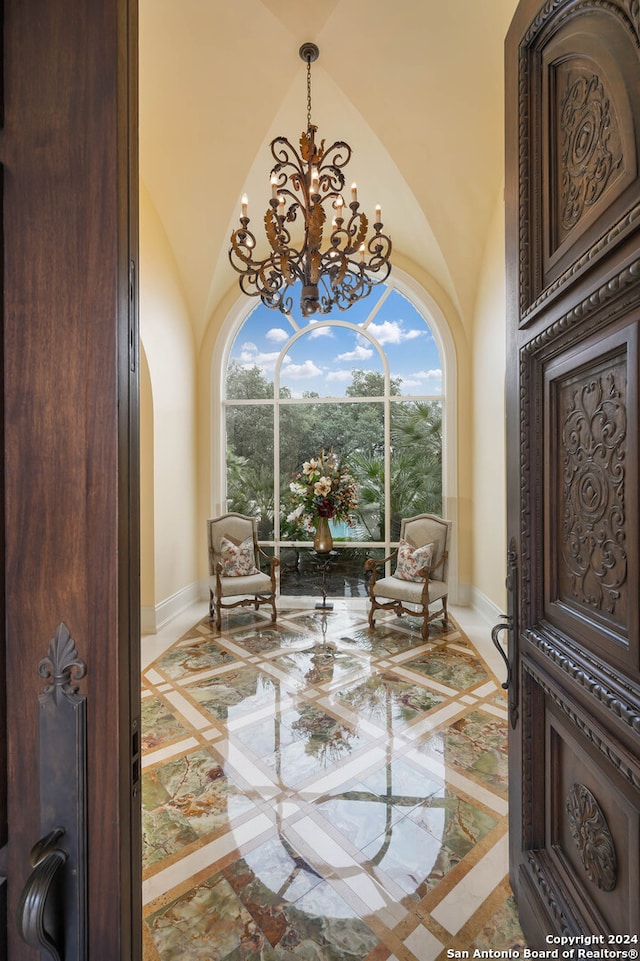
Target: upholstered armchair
[
  {"x": 234, "y": 566},
  {"x": 420, "y": 576}
]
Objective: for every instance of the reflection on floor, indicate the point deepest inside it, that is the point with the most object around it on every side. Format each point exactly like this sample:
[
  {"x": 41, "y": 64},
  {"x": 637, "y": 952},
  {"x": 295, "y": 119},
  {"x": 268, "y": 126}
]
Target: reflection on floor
[{"x": 315, "y": 790}]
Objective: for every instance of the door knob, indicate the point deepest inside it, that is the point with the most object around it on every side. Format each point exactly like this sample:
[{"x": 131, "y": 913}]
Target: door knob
[{"x": 46, "y": 859}]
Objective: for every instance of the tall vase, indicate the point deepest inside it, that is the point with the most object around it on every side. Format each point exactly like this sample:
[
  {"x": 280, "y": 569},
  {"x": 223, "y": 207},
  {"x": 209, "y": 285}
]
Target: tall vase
[{"x": 323, "y": 541}]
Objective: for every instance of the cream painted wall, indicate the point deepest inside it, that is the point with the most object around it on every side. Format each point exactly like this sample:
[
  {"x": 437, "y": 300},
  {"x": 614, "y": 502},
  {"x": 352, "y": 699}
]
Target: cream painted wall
[
  {"x": 457, "y": 506},
  {"x": 210, "y": 493},
  {"x": 147, "y": 497},
  {"x": 167, "y": 336},
  {"x": 488, "y": 425}
]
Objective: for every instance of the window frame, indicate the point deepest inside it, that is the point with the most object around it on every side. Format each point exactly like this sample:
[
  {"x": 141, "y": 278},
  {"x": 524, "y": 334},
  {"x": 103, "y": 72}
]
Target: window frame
[{"x": 435, "y": 320}]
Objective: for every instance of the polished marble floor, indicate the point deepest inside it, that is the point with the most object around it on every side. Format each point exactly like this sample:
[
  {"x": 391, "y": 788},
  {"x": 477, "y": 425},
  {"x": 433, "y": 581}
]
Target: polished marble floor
[{"x": 316, "y": 791}]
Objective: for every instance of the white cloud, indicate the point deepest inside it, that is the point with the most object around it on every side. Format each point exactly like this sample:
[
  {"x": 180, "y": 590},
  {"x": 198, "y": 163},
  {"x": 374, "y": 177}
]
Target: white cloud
[
  {"x": 298, "y": 371},
  {"x": 339, "y": 375},
  {"x": 250, "y": 356},
  {"x": 321, "y": 332},
  {"x": 277, "y": 335},
  {"x": 391, "y": 332},
  {"x": 427, "y": 381},
  {"x": 359, "y": 353}
]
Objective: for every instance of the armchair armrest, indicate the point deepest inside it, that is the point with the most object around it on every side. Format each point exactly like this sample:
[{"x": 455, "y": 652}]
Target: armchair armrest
[
  {"x": 218, "y": 573},
  {"x": 371, "y": 564},
  {"x": 273, "y": 563},
  {"x": 443, "y": 558},
  {"x": 269, "y": 557}
]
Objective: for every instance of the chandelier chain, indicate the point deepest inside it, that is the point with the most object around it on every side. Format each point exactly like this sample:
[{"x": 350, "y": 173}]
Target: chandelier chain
[{"x": 308, "y": 91}]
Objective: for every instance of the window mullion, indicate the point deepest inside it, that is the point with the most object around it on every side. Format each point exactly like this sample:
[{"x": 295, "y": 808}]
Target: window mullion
[{"x": 383, "y": 326}]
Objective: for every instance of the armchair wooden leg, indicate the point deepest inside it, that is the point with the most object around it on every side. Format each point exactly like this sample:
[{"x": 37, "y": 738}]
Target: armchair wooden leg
[
  {"x": 275, "y": 613},
  {"x": 372, "y": 622},
  {"x": 218, "y": 616},
  {"x": 210, "y": 604},
  {"x": 425, "y": 628},
  {"x": 445, "y": 616}
]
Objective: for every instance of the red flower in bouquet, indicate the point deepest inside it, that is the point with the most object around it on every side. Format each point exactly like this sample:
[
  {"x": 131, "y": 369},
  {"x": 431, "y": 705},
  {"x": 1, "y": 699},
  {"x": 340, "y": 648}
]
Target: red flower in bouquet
[{"x": 326, "y": 508}]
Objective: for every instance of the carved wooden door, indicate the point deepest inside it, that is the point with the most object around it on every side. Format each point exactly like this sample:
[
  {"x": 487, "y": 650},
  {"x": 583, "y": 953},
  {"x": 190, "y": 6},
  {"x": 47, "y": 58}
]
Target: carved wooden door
[
  {"x": 573, "y": 251},
  {"x": 69, "y": 686}
]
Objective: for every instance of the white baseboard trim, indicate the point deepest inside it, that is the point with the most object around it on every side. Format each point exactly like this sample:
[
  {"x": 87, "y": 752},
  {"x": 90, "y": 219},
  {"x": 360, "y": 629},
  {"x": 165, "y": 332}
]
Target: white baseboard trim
[
  {"x": 153, "y": 619},
  {"x": 489, "y": 611}
]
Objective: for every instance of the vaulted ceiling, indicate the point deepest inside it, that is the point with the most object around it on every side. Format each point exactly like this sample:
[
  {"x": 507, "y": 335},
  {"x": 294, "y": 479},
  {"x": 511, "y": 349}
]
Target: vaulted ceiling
[{"x": 414, "y": 86}]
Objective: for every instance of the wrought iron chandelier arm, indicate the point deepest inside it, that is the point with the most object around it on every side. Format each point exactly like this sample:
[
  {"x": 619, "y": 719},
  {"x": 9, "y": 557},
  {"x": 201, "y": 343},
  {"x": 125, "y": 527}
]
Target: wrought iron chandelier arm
[
  {"x": 379, "y": 247},
  {"x": 350, "y": 236},
  {"x": 335, "y": 157},
  {"x": 243, "y": 244},
  {"x": 289, "y": 166},
  {"x": 330, "y": 180},
  {"x": 267, "y": 282},
  {"x": 348, "y": 279},
  {"x": 241, "y": 258},
  {"x": 278, "y": 235},
  {"x": 292, "y": 192},
  {"x": 353, "y": 286},
  {"x": 329, "y": 170},
  {"x": 285, "y": 155}
]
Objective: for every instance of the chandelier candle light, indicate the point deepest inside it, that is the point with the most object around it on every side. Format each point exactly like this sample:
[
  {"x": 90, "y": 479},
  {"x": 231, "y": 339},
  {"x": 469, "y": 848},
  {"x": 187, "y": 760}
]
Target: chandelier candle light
[{"x": 301, "y": 183}]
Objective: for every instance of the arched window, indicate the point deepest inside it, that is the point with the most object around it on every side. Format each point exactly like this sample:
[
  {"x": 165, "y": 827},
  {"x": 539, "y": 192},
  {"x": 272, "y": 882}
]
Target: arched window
[{"x": 367, "y": 384}]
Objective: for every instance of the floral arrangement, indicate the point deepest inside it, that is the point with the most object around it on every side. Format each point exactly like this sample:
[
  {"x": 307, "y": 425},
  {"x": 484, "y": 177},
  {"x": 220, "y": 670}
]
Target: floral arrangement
[{"x": 323, "y": 488}]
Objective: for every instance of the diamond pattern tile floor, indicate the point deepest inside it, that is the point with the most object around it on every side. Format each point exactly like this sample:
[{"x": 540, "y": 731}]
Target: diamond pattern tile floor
[{"x": 316, "y": 790}]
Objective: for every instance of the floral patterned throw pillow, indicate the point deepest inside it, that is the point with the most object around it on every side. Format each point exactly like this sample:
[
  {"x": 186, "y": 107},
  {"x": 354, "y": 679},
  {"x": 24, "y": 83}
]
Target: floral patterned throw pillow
[
  {"x": 237, "y": 560},
  {"x": 411, "y": 560}
]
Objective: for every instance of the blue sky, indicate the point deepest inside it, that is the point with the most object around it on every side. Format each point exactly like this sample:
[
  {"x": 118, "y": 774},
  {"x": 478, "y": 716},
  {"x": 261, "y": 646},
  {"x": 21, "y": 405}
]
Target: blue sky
[{"x": 323, "y": 358}]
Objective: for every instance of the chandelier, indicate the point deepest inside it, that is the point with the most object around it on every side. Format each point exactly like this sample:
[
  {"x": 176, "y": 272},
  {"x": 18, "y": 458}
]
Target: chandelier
[{"x": 336, "y": 266}]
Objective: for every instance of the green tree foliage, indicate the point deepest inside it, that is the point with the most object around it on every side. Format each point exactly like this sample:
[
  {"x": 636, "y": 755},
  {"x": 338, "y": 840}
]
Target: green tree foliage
[
  {"x": 354, "y": 430},
  {"x": 247, "y": 383},
  {"x": 306, "y": 429},
  {"x": 416, "y": 441},
  {"x": 417, "y": 427},
  {"x": 370, "y": 383}
]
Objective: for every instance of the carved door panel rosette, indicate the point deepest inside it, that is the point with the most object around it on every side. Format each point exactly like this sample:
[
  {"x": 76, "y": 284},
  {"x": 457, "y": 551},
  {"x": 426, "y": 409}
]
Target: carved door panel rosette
[
  {"x": 593, "y": 425},
  {"x": 591, "y": 833},
  {"x": 589, "y": 182},
  {"x": 587, "y": 128}
]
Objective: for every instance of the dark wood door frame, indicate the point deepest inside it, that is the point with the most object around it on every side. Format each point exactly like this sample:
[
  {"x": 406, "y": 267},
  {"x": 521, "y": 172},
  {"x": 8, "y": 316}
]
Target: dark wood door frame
[
  {"x": 573, "y": 315},
  {"x": 68, "y": 149}
]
